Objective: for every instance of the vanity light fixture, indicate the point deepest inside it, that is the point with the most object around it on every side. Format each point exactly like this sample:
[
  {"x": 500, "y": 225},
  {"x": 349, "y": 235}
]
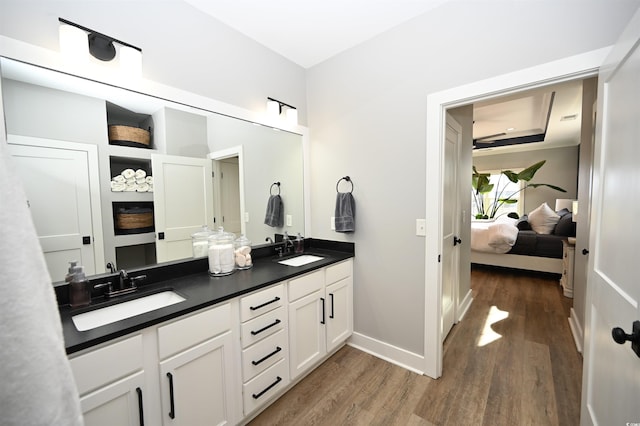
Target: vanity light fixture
[
  {"x": 275, "y": 109},
  {"x": 76, "y": 41}
]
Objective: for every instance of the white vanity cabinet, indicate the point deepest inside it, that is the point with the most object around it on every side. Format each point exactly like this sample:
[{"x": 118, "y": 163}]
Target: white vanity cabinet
[
  {"x": 320, "y": 314},
  {"x": 265, "y": 348},
  {"x": 111, "y": 383},
  {"x": 197, "y": 380}
]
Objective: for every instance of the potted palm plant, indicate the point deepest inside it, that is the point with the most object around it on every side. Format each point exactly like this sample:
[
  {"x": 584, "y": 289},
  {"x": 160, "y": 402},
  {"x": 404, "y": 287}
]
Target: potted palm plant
[{"x": 481, "y": 185}]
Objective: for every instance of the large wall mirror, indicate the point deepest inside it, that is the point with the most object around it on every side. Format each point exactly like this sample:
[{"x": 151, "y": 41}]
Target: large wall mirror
[{"x": 198, "y": 168}]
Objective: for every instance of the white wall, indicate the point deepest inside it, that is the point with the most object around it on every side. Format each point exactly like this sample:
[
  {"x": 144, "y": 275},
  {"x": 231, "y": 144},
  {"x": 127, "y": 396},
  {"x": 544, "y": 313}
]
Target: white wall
[
  {"x": 182, "y": 47},
  {"x": 367, "y": 119}
]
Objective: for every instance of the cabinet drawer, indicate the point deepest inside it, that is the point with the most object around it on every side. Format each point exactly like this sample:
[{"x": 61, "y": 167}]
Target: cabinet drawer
[
  {"x": 306, "y": 284},
  {"x": 263, "y": 355},
  {"x": 263, "y": 387},
  {"x": 184, "y": 333},
  {"x": 262, "y": 326},
  {"x": 263, "y": 301},
  {"x": 339, "y": 271},
  {"x": 108, "y": 364}
]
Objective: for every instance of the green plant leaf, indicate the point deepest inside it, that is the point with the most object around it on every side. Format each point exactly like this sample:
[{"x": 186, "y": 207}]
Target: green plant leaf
[
  {"x": 535, "y": 185},
  {"x": 513, "y": 177},
  {"x": 507, "y": 201},
  {"x": 528, "y": 173}
]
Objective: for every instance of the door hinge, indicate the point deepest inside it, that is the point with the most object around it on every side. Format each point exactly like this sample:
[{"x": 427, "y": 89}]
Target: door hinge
[{"x": 439, "y": 258}]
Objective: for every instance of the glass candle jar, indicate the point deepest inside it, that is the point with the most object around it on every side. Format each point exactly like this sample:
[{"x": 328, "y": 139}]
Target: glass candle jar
[{"x": 242, "y": 253}]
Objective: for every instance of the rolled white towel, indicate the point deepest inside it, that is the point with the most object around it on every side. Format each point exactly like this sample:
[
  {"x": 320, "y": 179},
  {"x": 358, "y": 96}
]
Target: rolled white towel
[
  {"x": 143, "y": 187},
  {"x": 130, "y": 187},
  {"x": 128, "y": 173},
  {"x": 119, "y": 179},
  {"x": 130, "y": 180},
  {"x": 140, "y": 174},
  {"x": 149, "y": 180},
  {"x": 141, "y": 181},
  {"x": 117, "y": 186}
]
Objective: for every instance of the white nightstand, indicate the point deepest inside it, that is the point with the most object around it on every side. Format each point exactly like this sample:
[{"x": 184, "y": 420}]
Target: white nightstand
[{"x": 568, "y": 256}]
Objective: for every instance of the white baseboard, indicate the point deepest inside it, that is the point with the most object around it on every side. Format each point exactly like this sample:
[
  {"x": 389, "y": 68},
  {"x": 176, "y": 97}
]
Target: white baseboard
[
  {"x": 576, "y": 330},
  {"x": 464, "y": 306},
  {"x": 387, "y": 352}
]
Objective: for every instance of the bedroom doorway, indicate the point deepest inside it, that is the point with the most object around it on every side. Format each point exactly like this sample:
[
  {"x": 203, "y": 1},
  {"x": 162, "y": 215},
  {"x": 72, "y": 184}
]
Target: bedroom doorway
[{"x": 576, "y": 67}]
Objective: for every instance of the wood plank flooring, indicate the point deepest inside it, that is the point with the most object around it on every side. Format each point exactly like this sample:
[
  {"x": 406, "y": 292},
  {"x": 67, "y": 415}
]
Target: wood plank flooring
[{"x": 511, "y": 361}]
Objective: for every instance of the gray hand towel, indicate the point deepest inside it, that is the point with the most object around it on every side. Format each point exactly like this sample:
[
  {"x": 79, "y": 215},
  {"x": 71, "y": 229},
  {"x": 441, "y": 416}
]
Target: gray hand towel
[
  {"x": 275, "y": 212},
  {"x": 345, "y": 212}
]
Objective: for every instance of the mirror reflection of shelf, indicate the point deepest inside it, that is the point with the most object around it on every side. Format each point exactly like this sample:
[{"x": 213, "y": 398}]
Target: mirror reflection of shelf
[
  {"x": 136, "y": 256},
  {"x": 132, "y": 218}
]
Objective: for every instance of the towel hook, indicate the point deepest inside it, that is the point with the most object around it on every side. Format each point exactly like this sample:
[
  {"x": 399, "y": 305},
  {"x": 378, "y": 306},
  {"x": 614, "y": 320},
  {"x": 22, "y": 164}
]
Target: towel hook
[
  {"x": 271, "y": 188},
  {"x": 346, "y": 178}
]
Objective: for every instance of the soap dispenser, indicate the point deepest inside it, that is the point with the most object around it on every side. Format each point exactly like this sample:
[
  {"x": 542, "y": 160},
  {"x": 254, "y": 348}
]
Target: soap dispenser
[
  {"x": 299, "y": 245},
  {"x": 79, "y": 290}
]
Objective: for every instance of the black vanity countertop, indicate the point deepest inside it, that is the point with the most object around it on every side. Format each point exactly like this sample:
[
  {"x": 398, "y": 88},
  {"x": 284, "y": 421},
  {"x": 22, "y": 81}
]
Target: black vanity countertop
[{"x": 197, "y": 287}]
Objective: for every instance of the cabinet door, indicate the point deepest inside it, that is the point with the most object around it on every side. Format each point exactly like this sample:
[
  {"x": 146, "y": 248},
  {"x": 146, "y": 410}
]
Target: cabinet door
[
  {"x": 182, "y": 203},
  {"x": 306, "y": 332},
  {"x": 339, "y": 312},
  {"x": 197, "y": 385},
  {"x": 120, "y": 403}
]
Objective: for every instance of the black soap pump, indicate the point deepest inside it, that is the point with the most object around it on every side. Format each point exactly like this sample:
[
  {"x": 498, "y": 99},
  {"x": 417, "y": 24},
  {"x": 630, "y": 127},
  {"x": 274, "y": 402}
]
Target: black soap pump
[{"x": 79, "y": 291}]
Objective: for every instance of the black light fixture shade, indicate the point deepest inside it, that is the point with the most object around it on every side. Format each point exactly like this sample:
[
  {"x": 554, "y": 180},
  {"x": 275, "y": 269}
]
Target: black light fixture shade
[{"x": 101, "y": 47}]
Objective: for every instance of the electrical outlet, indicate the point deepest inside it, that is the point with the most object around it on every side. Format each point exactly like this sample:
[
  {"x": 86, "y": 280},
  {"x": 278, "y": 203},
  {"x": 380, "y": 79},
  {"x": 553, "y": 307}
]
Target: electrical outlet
[
  {"x": 333, "y": 223},
  {"x": 421, "y": 227},
  {"x": 289, "y": 220},
  {"x": 246, "y": 217}
]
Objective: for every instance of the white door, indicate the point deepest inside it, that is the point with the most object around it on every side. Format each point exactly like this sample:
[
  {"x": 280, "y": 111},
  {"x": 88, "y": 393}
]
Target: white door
[
  {"x": 56, "y": 182},
  {"x": 611, "y": 378},
  {"x": 450, "y": 225},
  {"x": 182, "y": 203},
  {"x": 230, "y": 195}
]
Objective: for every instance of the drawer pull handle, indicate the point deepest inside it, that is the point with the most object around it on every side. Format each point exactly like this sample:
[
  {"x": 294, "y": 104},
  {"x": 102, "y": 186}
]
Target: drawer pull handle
[
  {"x": 140, "y": 408},
  {"x": 254, "y": 308},
  {"x": 256, "y": 332},
  {"x": 172, "y": 413},
  {"x": 266, "y": 357},
  {"x": 258, "y": 395},
  {"x": 322, "y": 321}
]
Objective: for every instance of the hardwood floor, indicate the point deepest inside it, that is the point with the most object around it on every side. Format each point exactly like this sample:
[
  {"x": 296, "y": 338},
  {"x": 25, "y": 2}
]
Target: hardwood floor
[{"x": 510, "y": 361}]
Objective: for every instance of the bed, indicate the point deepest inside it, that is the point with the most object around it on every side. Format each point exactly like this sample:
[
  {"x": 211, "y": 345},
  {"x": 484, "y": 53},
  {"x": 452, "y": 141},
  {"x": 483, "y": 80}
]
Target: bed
[{"x": 513, "y": 243}]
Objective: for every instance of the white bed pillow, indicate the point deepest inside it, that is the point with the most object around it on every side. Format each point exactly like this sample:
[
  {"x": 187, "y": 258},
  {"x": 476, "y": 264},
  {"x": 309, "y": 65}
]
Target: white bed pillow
[{"x": 543, "y": 219}]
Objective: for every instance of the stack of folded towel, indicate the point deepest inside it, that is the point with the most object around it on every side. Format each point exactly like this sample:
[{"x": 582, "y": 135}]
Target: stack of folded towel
[{"x": 132, "y": 181}]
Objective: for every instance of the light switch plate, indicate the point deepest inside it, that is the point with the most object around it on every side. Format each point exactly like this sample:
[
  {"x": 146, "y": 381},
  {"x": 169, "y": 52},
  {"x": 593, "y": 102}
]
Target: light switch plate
[
  {"x": 289, "y": 220},
  {"x": 333, "y": 223},
  {"x": 246, "y": 217},
  {"x": 421, "y": 227}
]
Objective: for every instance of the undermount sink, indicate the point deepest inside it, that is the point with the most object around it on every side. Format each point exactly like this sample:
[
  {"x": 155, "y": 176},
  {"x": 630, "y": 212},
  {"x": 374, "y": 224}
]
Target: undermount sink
[
  {"x": 303, "y": 259},
  {"x": 124, "y": 310}
]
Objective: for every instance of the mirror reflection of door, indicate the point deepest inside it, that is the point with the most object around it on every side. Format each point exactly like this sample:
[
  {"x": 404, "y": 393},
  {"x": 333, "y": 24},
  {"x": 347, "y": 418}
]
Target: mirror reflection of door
[{"x": 230, "y": 195}]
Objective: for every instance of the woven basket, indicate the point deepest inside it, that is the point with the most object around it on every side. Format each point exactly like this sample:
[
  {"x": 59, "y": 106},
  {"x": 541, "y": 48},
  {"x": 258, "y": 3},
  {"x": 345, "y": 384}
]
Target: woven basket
[
  {"x": 129, "y": 136},
  {"x": 134, "y": 218}
]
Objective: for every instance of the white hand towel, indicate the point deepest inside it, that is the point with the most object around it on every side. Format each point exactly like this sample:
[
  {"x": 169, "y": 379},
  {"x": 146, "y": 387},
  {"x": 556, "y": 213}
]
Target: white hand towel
[
  {"x": 149, "y": 180},
  {"x": 140, "y": 174},
  {"x": 143, "y": 187},
  {"x": 37, "y": 384},
  {"x": 140, "y": 181},
  {"x": 119, "y": 179},
  {"x": 128, "y": 173},
  {"x": 130, "y": 187},
  {"x": 118, "y": 187}
]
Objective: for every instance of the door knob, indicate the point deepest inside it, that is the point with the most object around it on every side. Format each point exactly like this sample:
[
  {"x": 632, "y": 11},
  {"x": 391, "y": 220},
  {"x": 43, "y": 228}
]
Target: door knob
[
  {"x": 619, "y": 336},
  {"x": 456, "y": 241},
  {"x": 585, "y": 252}
]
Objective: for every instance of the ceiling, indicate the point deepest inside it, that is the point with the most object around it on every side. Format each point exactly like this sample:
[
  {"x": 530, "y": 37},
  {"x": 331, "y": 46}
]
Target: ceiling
[
  {"x": 308, "y": 32},
  {"x": 547, "y": 117}
]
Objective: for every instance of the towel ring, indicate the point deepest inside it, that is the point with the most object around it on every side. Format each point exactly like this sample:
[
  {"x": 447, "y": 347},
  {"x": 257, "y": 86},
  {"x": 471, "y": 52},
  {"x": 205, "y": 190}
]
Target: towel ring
[
  {"x": 271, "y": 188},
  {"x": 346, "y": 178}
]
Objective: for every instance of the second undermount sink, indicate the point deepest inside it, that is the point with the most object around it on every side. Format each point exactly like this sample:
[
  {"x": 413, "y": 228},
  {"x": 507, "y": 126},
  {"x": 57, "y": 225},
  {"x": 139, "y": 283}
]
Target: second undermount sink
[
  {"x": 303, "y": 259},
  {"x": 124, "y": 310}
]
